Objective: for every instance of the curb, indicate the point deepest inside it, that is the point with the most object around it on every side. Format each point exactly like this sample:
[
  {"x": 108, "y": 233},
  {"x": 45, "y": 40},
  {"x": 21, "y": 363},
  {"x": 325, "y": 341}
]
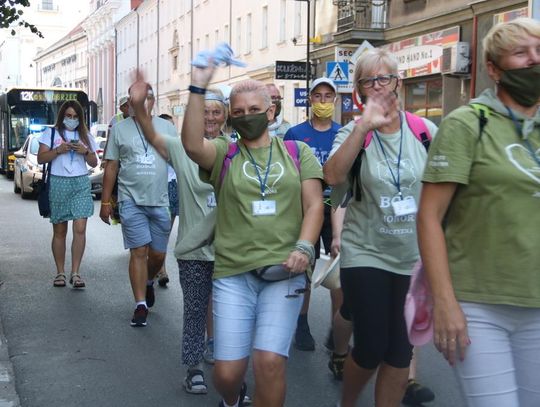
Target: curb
[{"x": 8, "y": 393}]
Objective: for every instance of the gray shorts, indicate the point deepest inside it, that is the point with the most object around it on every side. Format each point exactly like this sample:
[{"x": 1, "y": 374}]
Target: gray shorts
[{"x": 145, "y": 225}]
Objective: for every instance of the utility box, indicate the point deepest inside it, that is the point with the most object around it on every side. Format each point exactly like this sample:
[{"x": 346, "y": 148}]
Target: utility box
[{"x": 455, "y": 59}]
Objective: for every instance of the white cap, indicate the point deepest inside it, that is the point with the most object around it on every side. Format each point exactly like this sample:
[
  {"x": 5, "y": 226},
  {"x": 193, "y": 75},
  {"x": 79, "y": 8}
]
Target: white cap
[
  {"x": 320, "y": 81},
  {"x": 123, "y": 100}
]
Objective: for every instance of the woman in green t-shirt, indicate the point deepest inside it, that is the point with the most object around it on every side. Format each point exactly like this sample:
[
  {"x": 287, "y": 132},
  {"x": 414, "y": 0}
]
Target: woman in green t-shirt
[{"x": 482, "y": 176}]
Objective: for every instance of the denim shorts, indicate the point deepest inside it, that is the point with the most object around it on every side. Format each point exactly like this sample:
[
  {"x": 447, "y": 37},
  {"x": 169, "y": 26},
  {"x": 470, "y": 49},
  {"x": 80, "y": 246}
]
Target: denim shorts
[
  {"x": 251, "y": 313},
  {"x": 145, "y": 225}
]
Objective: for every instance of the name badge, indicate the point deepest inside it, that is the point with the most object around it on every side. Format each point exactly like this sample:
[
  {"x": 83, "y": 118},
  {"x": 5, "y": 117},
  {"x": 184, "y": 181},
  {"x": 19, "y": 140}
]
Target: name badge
[
  {"x": 405, "y": 206},
  {"x": 211, "y": 200},
  {"x": 263, "y": 208}
]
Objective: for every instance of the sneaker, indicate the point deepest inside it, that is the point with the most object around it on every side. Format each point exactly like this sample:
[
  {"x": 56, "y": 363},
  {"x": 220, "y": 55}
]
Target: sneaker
[
  {"x": 244, "y": 400},
  {"x": 303, "y": 339},
  {"x": 139, "y": 316},
  {"x": 194, "y": 382},
  {"x": 209, "y": 352},
  {"x": 336, "y": 364},
  {"x": 417, "y": 394},
  {"x": 150, "y": 297},
  {"x": 162, "y": 278}
]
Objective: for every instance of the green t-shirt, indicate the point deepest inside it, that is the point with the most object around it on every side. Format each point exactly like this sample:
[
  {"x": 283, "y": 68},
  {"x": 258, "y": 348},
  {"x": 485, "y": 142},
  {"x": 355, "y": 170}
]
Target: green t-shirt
[
  {"x": 196, "y": 200},
  {"x": 243, "y": 241},
  {"x": 492, "y": 229},
  {"x": 143, "y": 172},
  {"x": 373, "y": 236}
]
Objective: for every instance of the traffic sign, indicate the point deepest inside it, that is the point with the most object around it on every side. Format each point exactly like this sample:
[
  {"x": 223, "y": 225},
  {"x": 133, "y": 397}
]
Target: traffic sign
[{"x": 338, "y": 72}]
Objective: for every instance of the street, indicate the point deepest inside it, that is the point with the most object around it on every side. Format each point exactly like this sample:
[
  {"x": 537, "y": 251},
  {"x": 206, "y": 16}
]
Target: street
[{"x": 76, "y": 348}]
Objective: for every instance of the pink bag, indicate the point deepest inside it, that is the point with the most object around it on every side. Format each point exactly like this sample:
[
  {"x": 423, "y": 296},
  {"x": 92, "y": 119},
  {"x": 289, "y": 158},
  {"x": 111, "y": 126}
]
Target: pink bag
[{"x": 419, "y": 308}]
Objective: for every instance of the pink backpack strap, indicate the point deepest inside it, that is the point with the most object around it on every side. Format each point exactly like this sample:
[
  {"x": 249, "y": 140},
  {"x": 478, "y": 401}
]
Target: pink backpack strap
[
  {"x": 231, "y": 152},
  {"x": 294, "y": 152},
  {"x": 419, "y": 128}
]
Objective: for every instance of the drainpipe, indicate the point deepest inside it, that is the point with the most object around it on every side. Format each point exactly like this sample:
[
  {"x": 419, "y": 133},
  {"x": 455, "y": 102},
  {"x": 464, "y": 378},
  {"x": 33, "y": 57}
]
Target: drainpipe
[
  {"x": 115, "y": 68},
  {"x": 138, "y": 36},
  {"x": 157, "y": 61},
  {"x": 474, "y": 47}
]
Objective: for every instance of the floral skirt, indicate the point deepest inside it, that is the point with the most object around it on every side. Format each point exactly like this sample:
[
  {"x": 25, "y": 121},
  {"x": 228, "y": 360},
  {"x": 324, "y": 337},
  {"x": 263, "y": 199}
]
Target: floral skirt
[{"x": 70, "y": 198}]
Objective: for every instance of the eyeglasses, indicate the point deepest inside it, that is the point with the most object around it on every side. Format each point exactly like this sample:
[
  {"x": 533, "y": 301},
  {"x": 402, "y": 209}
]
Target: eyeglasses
[{"x": 383, "y": 80}]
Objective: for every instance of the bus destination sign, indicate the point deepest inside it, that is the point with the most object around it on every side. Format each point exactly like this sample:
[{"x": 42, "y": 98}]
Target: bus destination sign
[{"x": 47, "y": 96}]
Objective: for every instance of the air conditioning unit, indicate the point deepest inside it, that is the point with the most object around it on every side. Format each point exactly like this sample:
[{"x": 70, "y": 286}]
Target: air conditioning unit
[{"x": 455, "y": 59}]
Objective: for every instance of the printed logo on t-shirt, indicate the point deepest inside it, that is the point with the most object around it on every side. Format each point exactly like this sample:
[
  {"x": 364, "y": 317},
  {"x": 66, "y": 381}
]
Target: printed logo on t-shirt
[
  {"x": 275, "y": 174},
  {"x": 406, "y": 174},
  {"x": 521, "y": 158}
]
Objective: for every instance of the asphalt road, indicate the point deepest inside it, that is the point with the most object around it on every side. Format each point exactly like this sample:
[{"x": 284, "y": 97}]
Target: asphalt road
[{"x": 76, "y": 348}]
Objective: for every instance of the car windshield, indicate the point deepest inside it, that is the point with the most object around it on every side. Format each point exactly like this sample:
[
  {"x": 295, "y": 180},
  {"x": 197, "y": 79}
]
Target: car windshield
[
  {"x": 102, "y": 144},
  {"x": 34, "y": 146}
]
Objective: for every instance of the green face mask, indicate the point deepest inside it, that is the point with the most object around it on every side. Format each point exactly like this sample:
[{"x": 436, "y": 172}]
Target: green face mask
[
  {"x": 522, "y": 84},
  {"x": 250, "y": 126}
]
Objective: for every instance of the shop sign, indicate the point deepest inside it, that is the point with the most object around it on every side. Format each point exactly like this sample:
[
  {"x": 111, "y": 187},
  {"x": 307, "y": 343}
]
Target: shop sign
[
  {"x": 350, "y": 55},
  {"x": 422, "y": 55},
  {"x": 291, "y": 70},
  {"x": 510, "y": 15},
  {"x": 300, "y": 97}
]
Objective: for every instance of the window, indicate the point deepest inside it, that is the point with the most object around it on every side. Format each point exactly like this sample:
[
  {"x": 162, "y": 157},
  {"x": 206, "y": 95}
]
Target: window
[
  {"x": 207, "y": 41},
  {"x": 264, "y": 34},
  {"x": 47, "y": 5},
  {"x": 226, "y": 34},
  {"x": 238, "y": 34},
  {"x": 424, "y": 98},
  {"x": 248, "y": 33},
  {"x": 297, "y": 19},
  {"x": 282, "y": 21},
  {"x": 216, "y": 36}
]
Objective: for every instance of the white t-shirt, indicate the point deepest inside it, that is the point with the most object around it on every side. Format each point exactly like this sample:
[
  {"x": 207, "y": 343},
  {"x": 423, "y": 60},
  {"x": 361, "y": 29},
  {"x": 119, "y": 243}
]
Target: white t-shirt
[{"x": 70, "y": 164}]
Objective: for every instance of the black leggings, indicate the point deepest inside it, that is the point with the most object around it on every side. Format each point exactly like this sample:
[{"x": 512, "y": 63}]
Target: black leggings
[{"x": 374, "y": 300}]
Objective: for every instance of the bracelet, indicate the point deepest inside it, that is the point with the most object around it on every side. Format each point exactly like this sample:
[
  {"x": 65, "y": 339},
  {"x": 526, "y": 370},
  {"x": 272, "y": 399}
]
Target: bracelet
[
  {"x": 197, "y": 90},
  {"x": 307, "y": 248},
  {"x": 106, "y": 203}
]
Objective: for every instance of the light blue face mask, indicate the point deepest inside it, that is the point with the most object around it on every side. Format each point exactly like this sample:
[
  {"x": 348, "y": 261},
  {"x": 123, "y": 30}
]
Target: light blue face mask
[{"x": 71, "y": 124}]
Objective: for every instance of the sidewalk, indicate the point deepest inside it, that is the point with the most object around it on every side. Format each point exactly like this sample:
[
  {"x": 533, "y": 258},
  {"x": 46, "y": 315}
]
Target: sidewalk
[{"x": 8, "y": 394}]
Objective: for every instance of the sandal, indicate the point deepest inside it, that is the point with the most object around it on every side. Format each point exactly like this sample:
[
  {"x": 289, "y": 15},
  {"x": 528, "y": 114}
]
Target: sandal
[
  {"x": 76, "y": 281},
  {"x": 59, "y": 280},
  {"x": 194, "y": 382}
]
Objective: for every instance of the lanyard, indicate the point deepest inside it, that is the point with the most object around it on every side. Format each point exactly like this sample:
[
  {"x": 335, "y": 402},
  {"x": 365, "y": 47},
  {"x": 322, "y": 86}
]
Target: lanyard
[
  {"x": 261, "y": 183},
  {"x": 396, "y": 179},
  {"x": 520, "y": 133},
  {"x": 145, "y": 146}
]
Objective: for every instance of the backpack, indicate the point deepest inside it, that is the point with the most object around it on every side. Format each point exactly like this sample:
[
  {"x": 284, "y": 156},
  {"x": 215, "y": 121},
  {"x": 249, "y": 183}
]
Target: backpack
[
  {"x": 421, "y": 133},
  {"x": 290, "y": 145}
]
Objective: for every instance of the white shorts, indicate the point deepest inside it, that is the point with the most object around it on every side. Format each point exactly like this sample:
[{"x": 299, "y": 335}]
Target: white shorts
[{"x": 251, "y": 313}]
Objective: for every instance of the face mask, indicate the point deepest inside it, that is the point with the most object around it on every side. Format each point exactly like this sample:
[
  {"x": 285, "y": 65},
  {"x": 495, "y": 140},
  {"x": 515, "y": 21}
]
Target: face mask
[
  {"x": 323, "y": 110},
  {"x": 277, "y": 103},
  {"x": 522, "y": 84},
  {"x": 71, "y": 124},
  {"x": 250, "y": 126}
]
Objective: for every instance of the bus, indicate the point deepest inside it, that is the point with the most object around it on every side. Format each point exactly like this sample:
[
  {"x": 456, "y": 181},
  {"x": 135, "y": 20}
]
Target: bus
[{"x": 24, "y": 111}]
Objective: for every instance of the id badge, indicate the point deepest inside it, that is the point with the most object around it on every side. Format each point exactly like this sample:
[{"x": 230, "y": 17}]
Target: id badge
[
  {"x": 404, "y": 207},
  {"x": 263, "y": 208}
]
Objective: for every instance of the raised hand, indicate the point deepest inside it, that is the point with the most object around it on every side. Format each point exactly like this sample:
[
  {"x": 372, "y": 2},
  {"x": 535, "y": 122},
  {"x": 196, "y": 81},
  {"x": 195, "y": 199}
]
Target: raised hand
[
  {"x": 380, "y": 110},
  {"x": 201, "y": 76},
  {"x": 138, "y": 90}
]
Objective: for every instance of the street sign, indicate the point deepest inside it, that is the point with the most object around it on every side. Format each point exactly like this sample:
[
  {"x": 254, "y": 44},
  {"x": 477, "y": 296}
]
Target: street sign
[
  {"x": 300, "y": 97},
  {"x": 291, "y": 70},
  {"x": 338, "y": 72},
  {"x": 349, "y": 56}
]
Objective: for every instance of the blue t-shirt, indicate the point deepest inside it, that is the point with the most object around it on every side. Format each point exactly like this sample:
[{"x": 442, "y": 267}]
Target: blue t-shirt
[{"x": 320, "y": 142}]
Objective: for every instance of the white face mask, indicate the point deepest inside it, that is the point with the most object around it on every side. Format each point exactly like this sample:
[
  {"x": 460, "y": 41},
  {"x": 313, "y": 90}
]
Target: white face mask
[{"x": 71, "y": 124}]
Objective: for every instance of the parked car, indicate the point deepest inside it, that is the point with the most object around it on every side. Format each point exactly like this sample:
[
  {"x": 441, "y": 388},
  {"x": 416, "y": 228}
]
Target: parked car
[
  {"x": 101, "y": 143},
  {"x": 26, "y": 170}
]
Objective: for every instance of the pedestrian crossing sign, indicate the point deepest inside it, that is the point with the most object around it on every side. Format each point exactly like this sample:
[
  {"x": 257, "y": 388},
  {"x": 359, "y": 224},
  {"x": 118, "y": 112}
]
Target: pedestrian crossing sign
[{"x": 338, "y": 72}]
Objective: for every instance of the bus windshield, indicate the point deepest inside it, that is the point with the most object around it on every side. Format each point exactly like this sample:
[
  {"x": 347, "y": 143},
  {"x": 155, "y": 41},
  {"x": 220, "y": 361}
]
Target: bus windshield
[{"x": 29, "y": 118}]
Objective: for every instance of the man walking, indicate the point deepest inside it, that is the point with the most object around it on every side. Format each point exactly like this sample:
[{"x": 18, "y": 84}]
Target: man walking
[
  {"x": 318, "y": 133},
  {"x": 143, "y": 203},
  {"x": 278, "y": 126}
]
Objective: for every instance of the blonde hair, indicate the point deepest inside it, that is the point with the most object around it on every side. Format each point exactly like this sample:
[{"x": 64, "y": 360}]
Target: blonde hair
[
  {"x": 217, "y": 104},
  {"x": 251, "y": 85},
  {"x": 503, "y": 37},
  {"x": 370, "y": 60}
]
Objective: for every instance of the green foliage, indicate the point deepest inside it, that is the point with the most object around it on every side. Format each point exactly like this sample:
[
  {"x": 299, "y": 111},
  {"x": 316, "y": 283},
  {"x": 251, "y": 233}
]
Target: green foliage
[{"x": 11, "y": 15}]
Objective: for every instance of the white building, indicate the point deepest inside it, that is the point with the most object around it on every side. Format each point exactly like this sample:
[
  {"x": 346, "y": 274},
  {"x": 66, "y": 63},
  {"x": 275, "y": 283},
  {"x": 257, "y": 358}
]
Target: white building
[
  {"x": 65, "y": 62},
  {"x": 54, "y": 18},
  {"x": 161, "y": 37},
  {"x": 100, "y": 30}
]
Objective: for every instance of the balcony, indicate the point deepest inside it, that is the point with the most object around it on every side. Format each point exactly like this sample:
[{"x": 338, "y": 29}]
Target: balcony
[{"x": 360, "y": 20}]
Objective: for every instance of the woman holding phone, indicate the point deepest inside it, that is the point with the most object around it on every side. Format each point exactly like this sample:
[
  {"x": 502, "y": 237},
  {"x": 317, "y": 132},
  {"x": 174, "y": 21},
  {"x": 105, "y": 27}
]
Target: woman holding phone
[{"x": 69, "y": 148}]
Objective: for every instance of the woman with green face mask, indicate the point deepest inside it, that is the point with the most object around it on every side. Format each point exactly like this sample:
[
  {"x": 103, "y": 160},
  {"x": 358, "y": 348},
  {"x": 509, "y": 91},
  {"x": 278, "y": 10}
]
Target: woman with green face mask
[
  {"x": 269, "y": 213},
  {"x": 483, "y": 177}
]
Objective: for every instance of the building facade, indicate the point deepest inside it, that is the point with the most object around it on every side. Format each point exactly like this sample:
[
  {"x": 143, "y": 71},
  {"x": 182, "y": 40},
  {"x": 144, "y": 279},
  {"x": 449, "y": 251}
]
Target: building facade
[
  {"x": 17, "y": 52},
  {"x": 64, "y": 63}
]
